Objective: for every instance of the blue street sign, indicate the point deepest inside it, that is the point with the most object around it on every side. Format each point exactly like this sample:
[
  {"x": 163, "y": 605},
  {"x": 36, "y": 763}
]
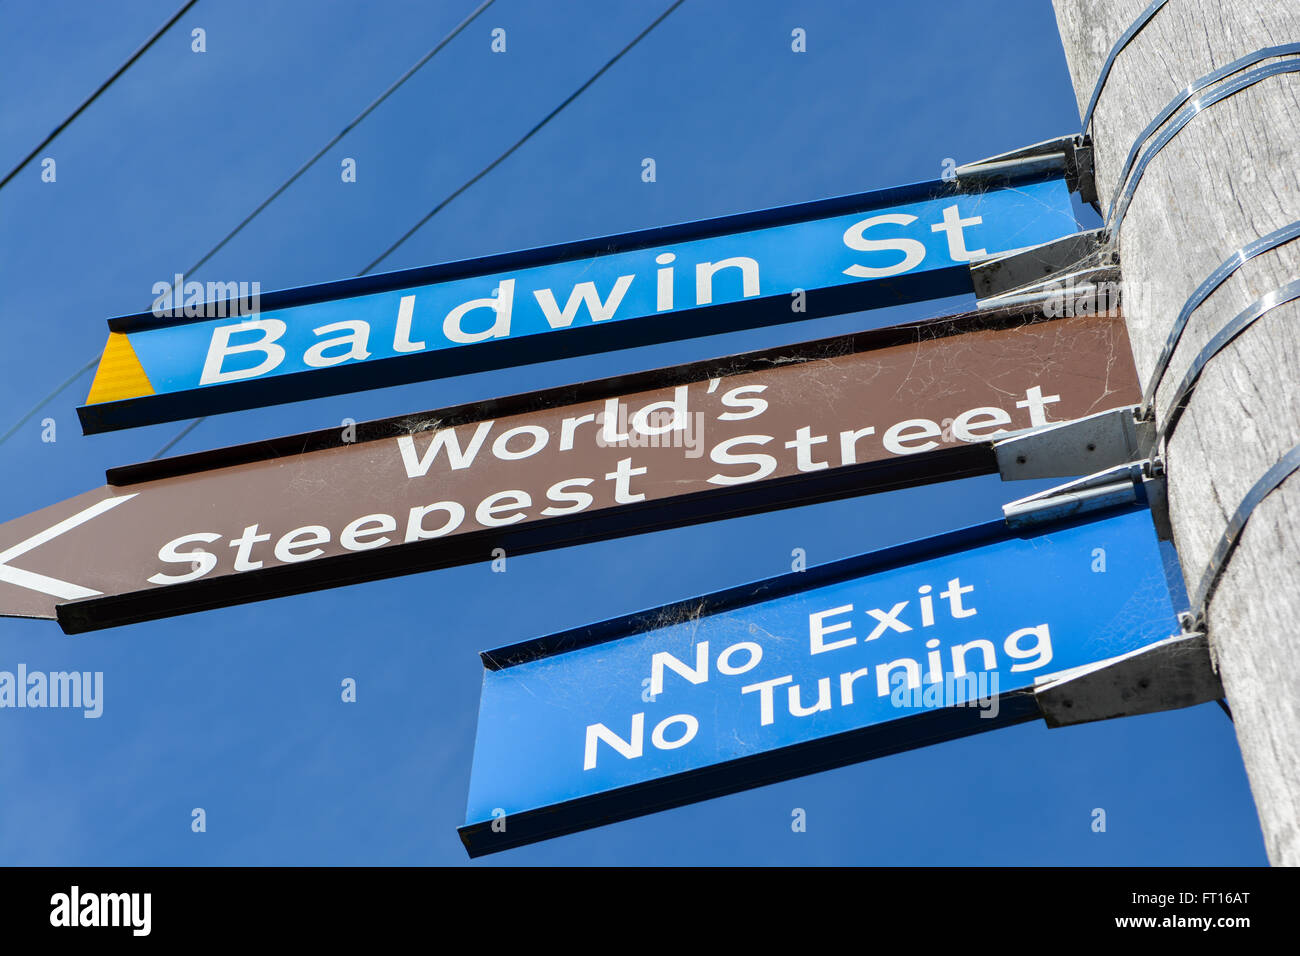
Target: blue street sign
[
  {"x": 189, "y": 357},
  {"x": 865, "y": 657}
]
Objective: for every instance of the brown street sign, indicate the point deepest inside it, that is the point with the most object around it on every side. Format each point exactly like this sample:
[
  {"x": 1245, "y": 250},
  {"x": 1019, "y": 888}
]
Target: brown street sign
[{"x": 764, "y": 430}]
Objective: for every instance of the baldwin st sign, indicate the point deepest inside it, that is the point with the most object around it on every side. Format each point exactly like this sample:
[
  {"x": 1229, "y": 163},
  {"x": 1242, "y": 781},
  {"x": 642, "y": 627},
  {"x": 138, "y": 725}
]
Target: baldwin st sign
[
  {"x": 753, "y": 432},
  {"x": 869, "y": 656},
  {"x": 193, "y": 358}
]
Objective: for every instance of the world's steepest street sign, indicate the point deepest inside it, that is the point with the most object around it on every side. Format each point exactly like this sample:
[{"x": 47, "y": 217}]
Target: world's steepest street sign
[
  {"x": 189, "y": 357},
  {"x": 865, "y": 657},
  {"x": 772, "y": 429}
]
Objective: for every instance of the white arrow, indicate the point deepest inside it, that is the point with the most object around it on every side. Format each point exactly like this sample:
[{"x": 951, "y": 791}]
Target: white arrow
[{"x": 40, "y": 582}]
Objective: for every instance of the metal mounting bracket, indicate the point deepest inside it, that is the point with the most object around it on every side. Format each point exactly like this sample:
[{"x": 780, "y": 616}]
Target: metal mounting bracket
[
  {"x": 1074, "y": 265},
  {"x": 1169, "y": 674},
  {"x": 1079, "y": 447},
  {"x": 1118, "y": 441},
  {"x": 1072, "y": 154},
  {"x": 1105, "y": 489}
]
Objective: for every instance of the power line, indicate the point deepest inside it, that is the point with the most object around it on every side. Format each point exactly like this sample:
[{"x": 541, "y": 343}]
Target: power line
[
  {"x": 478, "y": 176},
  {"x": 251, "y": 216},
  {"x": 95, "y": 95},
  {"x": 343, "y": 132},
  {"x": 177, "y": 437},
  {"x": 41, "y": 404},
  {"x": 525, "y": 138}
]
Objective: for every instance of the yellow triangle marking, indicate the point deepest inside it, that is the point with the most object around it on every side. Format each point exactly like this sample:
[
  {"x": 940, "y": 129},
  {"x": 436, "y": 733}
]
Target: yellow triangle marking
[{"x": 120, "y": 374}]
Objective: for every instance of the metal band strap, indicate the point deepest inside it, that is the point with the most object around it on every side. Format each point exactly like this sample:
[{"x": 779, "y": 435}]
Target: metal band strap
[
  {"x": 1238, "y": 324},
  {"x": 1190, "y": 112},
  {"x": 1219, "y": 559},
  {"x": 1200, "y": 83},
  {"x": 1122, "y": 42},
  {"x": 1216, "y": 278}
]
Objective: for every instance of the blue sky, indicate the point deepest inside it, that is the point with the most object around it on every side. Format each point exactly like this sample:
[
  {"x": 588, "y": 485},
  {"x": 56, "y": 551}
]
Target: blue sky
[{"x": 238, "y": 711}]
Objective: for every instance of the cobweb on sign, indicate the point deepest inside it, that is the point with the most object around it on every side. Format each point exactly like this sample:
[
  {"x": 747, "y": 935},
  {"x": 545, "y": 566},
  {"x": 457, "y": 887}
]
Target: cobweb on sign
[{"x": 415, "y": 426}]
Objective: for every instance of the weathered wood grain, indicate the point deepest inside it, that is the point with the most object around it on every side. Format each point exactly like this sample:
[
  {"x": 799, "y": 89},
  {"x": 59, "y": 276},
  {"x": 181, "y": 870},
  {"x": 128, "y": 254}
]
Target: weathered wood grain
[{"x": 1230, "y": 176}]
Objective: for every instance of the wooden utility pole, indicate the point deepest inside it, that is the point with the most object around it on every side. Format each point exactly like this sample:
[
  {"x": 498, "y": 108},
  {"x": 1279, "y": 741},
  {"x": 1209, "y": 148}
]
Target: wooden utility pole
[{"x": 1230, "y": 176}]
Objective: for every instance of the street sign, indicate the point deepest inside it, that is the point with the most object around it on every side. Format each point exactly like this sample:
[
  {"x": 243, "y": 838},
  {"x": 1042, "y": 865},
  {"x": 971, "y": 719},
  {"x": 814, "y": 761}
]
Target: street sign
[
  {"x": 754, "y": 432},
  {"x": 187, "y": 358},
  {"x": 869, "y": 656}
]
